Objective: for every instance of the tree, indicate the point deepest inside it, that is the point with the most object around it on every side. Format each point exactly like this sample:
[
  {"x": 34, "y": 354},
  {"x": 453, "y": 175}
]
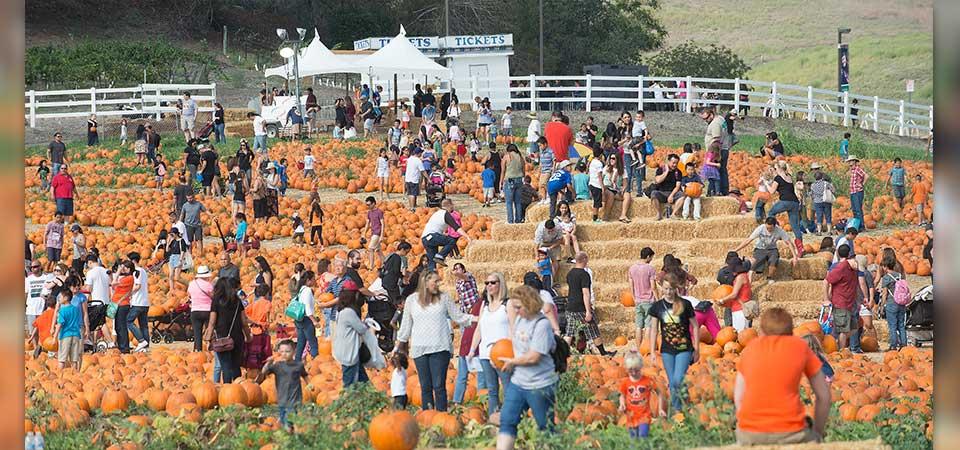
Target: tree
[{"x": 689, "y": 59}]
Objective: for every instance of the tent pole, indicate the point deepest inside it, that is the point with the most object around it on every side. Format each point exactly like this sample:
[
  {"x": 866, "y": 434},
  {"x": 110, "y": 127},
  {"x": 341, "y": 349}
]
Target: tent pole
[{"x": 396, "y": 102}]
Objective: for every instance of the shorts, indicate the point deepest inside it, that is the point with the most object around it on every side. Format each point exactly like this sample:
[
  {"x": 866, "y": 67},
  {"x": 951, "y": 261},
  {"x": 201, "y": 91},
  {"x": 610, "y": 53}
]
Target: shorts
[
  {"x": 576, "y": 321},
  {"x": 488, "y": 192},
  {"x": 413, "y": 189},
  {"x": 368, "y": 124},
  {"x": 544, "y": 178},
  {"x": 899, "y": 192},
  {"x": 187, "y": 122},
  {"x": 676, "y": 196},
  {"x": 597, "y": 195},
  {"x": 660, "y": 196},
  {"x": 762, "y": 257},
  {"x": 843, "y": 320},
  {"x": 642, "y": 314},
  {"x": 309, "y": 173},
  {"x": 174, "y": 261},
  {"x": 374, "y": 243},
  {"x": 383, "y": 173},
  {"x": 70, "y": 349},
  {"x": 312, "y": 114},
  {"x": 140, "y": 147},
  {"x": 53, "y": 254},
  {"x": 194, "y": 233},
  {"x": 65, "y": 206}
]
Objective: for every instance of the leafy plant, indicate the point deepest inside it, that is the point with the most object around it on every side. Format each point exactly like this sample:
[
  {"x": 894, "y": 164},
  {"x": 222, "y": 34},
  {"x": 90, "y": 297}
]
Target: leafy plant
[{"x": 690, "y": 59}]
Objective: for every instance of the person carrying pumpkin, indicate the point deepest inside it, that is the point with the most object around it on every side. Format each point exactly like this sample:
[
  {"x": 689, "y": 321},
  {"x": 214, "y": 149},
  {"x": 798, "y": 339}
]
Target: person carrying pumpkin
[
  {"x": 42, "y": 326},
  {"x": 920, "y": 191},
  {"x": 259, "y": 350},
  {"x": 692, "y": 188},
  {"x": 635, "y": 397},
  {"x": 288, "y": 373}
]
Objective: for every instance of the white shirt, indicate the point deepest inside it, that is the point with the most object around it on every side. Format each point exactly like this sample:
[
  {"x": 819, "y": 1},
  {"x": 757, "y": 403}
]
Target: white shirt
[
  {"x": 453, "y": 111},
  {"x": 306, "y": 297},
  {"x": 436, "y": 223},
  {"x": 183, "y": 231},
  {"x": 493, "y": 326},
  {"x": 383, "y": 165},
  {"x": 593, "y": 298},
  {"x": 657, "y": 91},
  {"x": 99, "y": 283},
  {"x": 308, "y": 162},
  {"x": 454, "y": 133},
  {"x": 190, "y": 108},
  {"x": 533, "y": 131},
  {"x": 507, "y": 120},
  {"x": 141, "y": 297},
  {"x": 33, "y": 287},
  {"x": 638, "y": 128},
  {"x": 595, "y": 170},
  {"x": 414, "y": 168},
  {"x": 259, "y": 126},
  {"x": 398, "y": 382},
  {"x": 350, "y": 133}
]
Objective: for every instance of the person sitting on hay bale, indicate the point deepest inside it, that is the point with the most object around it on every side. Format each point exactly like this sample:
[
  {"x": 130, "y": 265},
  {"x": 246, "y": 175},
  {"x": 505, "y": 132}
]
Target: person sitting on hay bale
[
  {"x": 765, "y": 253},
  {"x": 665, "y": 186}
]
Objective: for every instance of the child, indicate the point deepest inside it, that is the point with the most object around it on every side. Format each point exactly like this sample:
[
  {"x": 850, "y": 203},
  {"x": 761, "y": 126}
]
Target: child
[
  {"x": 762, "y": 195},
  {"x": 308, "y": 161},
  {"x": 258, "y": 351},
  {"x": 43, "y": 172},
  {"x": 451, "y": 168},
  {"x": 711, "y": 169},
  {"x": 240, "y": 237},
  {"x": 920, "y": 193},
  {"x": 528, "y": 195},
  {"x": 568, "y": 229},
  {"x": 159, "y": 171},
  {"x": 453, "y": 133},
  {"x": 405, "y": 120},
  {"x": 350, "y": 132},
  {"x": 298, "y": 229},
  {"x": 898, "y": 179},
  {"x": 737, "y": 195},
  {"x": 404, "y": 139},
  {"x": 507, "y": 121},
  {"x": 67, "y": 331},
  {"x": 545, "y": 268},
  {"x": 635, "y": 393},
  {"x": 582, "y": 136},
  {"x": 452, "y": 232},
  {"x": 398, "y": 380},
  {"x": 288, "y": 374},
  {"x": 691, "y": 177},
  {"x": 43, "y": 325},
  {"x": 474, "y": 146},
  {"x": 461, "y": 152},
  {"x": 383, "y": 172},
  {"x": 316, "y": 225},
  {"x": 814, "y": 345},
  {"x": 488, "y": 176},
  {"x": 845, "y": 146},
  {"x": 394, "y": 133},
  {"x": 123, "y": 131},
  {"x": 581, "y": 181},
  {"x": 492, "y": 130},
  {"x": 282, "y": 173}
]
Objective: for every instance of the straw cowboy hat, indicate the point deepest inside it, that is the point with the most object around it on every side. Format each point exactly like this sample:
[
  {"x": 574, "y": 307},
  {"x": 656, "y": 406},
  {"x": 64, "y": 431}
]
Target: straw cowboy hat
[
  {"x": 815, "y": 166},
  {"x": 203, "y": 272},
  {"x": 852, "y": 158},
  {"x": 531, "y": 115}
]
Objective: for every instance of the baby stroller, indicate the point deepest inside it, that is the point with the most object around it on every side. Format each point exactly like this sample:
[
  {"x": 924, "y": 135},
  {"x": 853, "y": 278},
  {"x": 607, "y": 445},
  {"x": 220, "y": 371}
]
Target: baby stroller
[
  {"x": 435, "y": 183},
  {"x": 97, "y": 314},
  {"x": 920, "y": 317},
  {"x": 172, "y": 326},
  {"x": 380, "y": 309},
  {"x": 204, "y": 132}
]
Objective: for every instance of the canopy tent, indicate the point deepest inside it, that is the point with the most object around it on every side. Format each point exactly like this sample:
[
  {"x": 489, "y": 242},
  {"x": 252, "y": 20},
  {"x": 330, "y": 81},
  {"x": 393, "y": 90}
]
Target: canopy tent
[
  {"x": 400, "y": 57},
  {"x": 315, "y": 59}
]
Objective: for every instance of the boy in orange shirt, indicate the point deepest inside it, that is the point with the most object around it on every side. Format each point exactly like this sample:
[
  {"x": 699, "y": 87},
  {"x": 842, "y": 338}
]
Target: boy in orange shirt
[
  {"x": 258, "y": 350},
  {"x": 920, "y": 193},
  {"x": 43, "y": 326},
  {"x": 635, "y": 397}
]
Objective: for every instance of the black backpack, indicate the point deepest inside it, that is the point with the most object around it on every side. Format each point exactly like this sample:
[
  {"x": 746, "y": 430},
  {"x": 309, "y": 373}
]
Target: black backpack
[{"x": 560, "y": 353}]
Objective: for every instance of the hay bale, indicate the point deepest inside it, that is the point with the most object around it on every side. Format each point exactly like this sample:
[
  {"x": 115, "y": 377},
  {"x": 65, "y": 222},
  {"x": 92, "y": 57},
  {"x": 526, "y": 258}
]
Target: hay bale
[
  {"x": 797, "y": 291},
  {"x": 724, "y": 227},
  {"x": 640, "y": 208},
  {"x": 873, "y": 444},
  {"x": 808, "y": 268},
  {"x": 502, "y": 231}
]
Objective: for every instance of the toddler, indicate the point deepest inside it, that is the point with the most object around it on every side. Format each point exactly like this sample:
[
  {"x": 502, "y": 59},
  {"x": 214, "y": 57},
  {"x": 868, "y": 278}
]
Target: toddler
[
  {"x": 488, "y": 176},
  {"x": 545, "y": 268},
  {"x": 920, "y": 193},
  {"x": 691, "y": 177},
  {"x": 635, "y": 392},
  {"x": 898, "y": 179},
  {"x": 405, "y": 119},
  {"x": 43, "y": 325},
  {"x": 762, "y": 195},
  {"x": 451, "y": 168},
  {"x": 814, "y": 345},
  {"x": 288, "y": 373},
  {"x": 43, "y": 172},
  {"x": 581, "y": 181},
  {"x": 398, "y": 380},
  {"x": 474, "y": 146},
  {"x": 308, "y": 161},
  {"x": 711, "y": 169},
  {"x": 298, "y": 229},
  {"x": 67, "y": 330}
]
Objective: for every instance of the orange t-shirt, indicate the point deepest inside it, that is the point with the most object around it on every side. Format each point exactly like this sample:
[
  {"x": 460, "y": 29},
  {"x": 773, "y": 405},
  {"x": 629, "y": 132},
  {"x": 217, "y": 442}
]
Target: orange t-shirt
[
  {"x": 920, "y": 193},
  {"x": 123, "y": 287},
  {"x": 44, "y": 324},
  {"x": 636, "y": 396},
  {"x": 772, "y": 368},
  {"x": 257, "y": 312}
]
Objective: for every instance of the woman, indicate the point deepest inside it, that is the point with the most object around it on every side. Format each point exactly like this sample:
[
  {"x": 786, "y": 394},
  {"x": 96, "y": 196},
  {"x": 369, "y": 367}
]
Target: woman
[
  {"x": 350, "y": 110},
  {"x": 674, "y": 319},
  {"x": 549, "y": 306},
  {"x": 264, "y": 274},
  {"x": 93, "y": 137},
  {"x": 494, "y": 325},
  {"x": 533, "y": 376},
  {"x": 219, "y": 125},
  {"x": 740, "y": 294},
  {"x": 176, "y": 250},
  {"x": 228, "y": 320},
  {"x": 306, "y": 327},
  {"x": 496, "y": 159},
  {"x": 209, "y": 171},
  {"x": 773, "y": 147},
  {"x": 512, "y": 169},
  {"x": 200, "y": 292},
  {"x": 240, "y": 188},
  {"x": 426, "y": 322},
  {"x": 334, "y": 284},
  {"x": 453, "y": 112},
  {"x": 822, "y": 209},
  {"x": 79, "y": 242},
  {"x": 349, "y": 337},
  {"x": 258, "y": 191},
  {"x": 245, "y": 160},
  {"x": 123, "y": 286},
  {"x": 484, "y": 120},
  {"x": 890, "y": 252},
  {"x": 783, "y": 184},
  {"x": 140, "y": 144},
  {"x": 613, "y": 188}
]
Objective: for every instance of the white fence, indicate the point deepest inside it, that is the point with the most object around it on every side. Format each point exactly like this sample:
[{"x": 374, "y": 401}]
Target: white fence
[
  {"x": 142, "y": 100},
  {"x": 594, "y": 93}
]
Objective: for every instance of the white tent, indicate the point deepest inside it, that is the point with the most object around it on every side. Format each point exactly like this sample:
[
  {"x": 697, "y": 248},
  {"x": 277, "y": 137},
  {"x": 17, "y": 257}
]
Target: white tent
[
  {"x": 400, "y": 57},
  {"x": 315, "y": 59}
]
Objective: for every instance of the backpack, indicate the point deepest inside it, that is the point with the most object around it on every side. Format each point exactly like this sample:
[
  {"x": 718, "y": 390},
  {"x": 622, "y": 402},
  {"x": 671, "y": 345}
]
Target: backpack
[
  {"x": 901, "y": 292},
  {"x": 560, "y": 353}
]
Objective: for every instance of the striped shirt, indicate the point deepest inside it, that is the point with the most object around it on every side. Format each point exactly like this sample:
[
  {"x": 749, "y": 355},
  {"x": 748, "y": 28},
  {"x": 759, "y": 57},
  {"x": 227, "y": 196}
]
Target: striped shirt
[
  {"x": 818, "y": 188},
  {"x": 467, "y": 292}
]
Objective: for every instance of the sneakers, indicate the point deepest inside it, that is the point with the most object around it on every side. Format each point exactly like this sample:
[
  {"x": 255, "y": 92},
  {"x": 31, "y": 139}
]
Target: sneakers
[
  {"x": 141, "y": 346},
  {"x": 440, "y": 260},
  {"x": 570, "y": 261},
  {"x": 544, "y": 202}
]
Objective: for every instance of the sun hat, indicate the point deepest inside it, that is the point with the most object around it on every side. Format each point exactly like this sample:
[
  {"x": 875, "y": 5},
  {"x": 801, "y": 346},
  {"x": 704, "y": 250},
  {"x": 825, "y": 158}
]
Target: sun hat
[
  {"x": 852, "y": 158},
  {"x": 736, "y": 191},
  {"x": 531, "y": 115},
  {"x": 75, "y": 227},
  {"x": 203, "y": 272},
  {"x": 563, "y": 164},
  {"x": 815, "y": 166}
]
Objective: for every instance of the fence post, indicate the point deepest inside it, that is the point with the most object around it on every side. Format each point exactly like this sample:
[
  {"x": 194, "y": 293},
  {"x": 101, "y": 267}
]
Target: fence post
[
  {"x": 640, "y": 93},
  {"x": 775, "y": 111},
  {"x": 93, "y": 100},
  {"x": 846, "y": 108},
  {"x": 589, "y": 95},
  {"x": 902, "y": 118},
  {"x": 213, "y": 87},
  {"x": 33, "y": 108},
  {"x": 876, "y": 114},
  {"x": 158, "y": 103},
  {"x": 931, "y": 118},
  {"x": 810, "y": 117},
  {"x": 533, "y": 92},
  {"x": 736, "y": 95},
  {"x": 689, "y": 94}
]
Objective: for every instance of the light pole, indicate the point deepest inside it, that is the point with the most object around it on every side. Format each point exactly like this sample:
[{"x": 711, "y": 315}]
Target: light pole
[
  {"x": 843, "y": 61},
  {"x": 294, "y": 52},
  {"x": 541, "y": 37}
]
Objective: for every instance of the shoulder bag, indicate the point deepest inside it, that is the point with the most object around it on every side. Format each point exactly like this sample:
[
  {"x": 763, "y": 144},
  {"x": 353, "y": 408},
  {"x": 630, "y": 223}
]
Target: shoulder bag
[
  {"x": 224, "y": 344},
  {"x": 296, "y": 309},
  {"x": 828, "y": 196}
]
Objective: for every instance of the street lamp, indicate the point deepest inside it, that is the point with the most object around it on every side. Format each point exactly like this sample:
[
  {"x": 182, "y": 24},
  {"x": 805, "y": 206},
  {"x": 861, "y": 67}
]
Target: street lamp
[
  {"x": 843, "y": 61},
  {"x": 287, "y": 52}
]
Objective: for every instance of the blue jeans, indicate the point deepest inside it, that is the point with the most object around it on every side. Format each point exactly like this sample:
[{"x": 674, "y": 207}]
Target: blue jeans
[
  {"x": 330, "y": 314},
  {"x": 434, "y": 241},
  {"x": 142, "y": 333},
  {"x": 284, "y": 411},
  {"x": 676, "y": 366},
  {"x": 856, "y": 206},
  {"x": 354, "y": 374},
  {"x": 219, "y": 132},
  {"x": 639, "y": 431},
  {"x": 713, "y": 187},
  {"x": 511, "y": 195},
  {"x": 463, "y": 376},
  {"x": 823, "y": 215},
  {"x": 758, "y": 210},
  {"x": 724, "y": 174},
  {"x": 229, "y": 369},
  {"x": 534, "y": 148},
  {"x": 517, "y": 400},
  {"x": 634, "y": 174},
  {"x": 793, "y": 214},
  {"x": 494, "y": 379},
  {"x": 896, "y": 324},
  {"x": 432, "y": 371},
  {"x": 120, "y": 326},
  {"x": 217, "y": 371},
  {"x": 260, "y": 142},
  {"x": 54, "y": 168},
  {"x": 306, "y": 332}
]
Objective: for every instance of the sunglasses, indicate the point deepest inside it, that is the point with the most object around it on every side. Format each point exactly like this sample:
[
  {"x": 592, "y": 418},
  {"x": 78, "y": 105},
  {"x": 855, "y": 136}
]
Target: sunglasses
[
  {"x": 34, "y": 267},
  {"x": 488, "y": 283}
]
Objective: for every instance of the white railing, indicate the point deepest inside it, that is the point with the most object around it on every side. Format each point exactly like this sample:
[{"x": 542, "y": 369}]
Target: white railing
[
  {"x": 596, "y": 93},
  {"x": 145, "y": 99}
]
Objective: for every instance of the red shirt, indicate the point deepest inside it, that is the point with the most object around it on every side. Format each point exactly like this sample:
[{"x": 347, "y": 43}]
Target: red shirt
[
  {"x": 636, "y": 396},
  {"x": 63, "y": 186},
  {"x": 559, "y": 137},
  {"x": 844, "y": 282},
  {"x": 857, "y": 177}
]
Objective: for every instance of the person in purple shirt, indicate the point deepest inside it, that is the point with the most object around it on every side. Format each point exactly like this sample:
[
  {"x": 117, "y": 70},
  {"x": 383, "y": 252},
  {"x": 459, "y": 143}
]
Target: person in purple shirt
[{"x": 375, "y": 226}]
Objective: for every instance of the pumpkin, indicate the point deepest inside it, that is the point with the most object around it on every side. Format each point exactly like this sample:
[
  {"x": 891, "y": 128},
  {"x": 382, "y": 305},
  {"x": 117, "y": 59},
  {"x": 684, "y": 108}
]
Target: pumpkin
[
  {"x": 869, "y": 344},
  {"x": 114, "y": 400},
  {"x": 205, "y": 394},
  {"x": 744, "y": 337},
  {"x": 157, "y": 399},
  {"x": 693, "y": 190},
  {"x": 255, "y": 397},
  {"x": 829, "y": 344},
  {"x": 620, "y": 341},
  {"x": 721, "y": 291},
  {"x": 501, "y": 349},
  {"x": 725, "y": 335},
  {"x": 51, "y": 344},
  {"x": 626, "y": 298},
  {"x": 232, "y": 394},
  {"x": 393, "y": 430},
  {"x": 447, "y": 423}
]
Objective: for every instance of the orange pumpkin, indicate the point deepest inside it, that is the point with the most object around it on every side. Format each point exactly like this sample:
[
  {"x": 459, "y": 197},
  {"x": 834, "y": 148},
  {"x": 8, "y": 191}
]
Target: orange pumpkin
[
  {"x": 693, "y": 190},
  {"x": 205, "y": 394},
  {"x": 501, "y": 349},
  {"x": 626, "y": 298},
  {"x": 51, "y": 344},
  {"x": 620, "y": 341},
  {"x": 232, "y": 394},
  {"x": 829, "y": 344},
  {"x": 869, "y": 344},
  {"x": 726, "y": 334},
  {"x": 114, "y": 401},
  {"x": 721, "y": 291},
  {"x": 394, "y": 430},
  {"x": 744, "y": 337}
]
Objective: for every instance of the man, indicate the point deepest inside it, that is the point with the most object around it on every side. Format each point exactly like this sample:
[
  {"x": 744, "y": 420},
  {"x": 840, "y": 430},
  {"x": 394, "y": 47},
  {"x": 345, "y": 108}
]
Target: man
[
  {"x": 180, "y": 193},
  {"x": 765, "y": 252},
  {"x": 534, "y": 135},
  {"x": 559, "y": 137},
  {"x": 560, "y": 182},
  {"x": 665, "y": 186},
  {"x": 295, "y": 120},
  {"x": 634, "y": 162},
  {"x": 714, "y": 126},
  {"x": 728, "y": 140},
  {"x": 33, "y": 288},
  {"x": 139, "y": 306},
  {"x": 435, "y": 236},
  {"x": 841, "y": 285},
  {"x": 393, "y": 270},
  {"x": 53, "y": 240},
  {"x": 417, "y": 101},
  {"x": 97, "y": 283},
  {"x": 642, "y": 278},
  {"x": 154, "y": 145},
  {"x": 546, "y": 163},
  {"x": 190, "y": 215},
  {"x": 850, "y": 235},
  {"x": 766, "y": 392},
  {"x": 580, "y": 313},
  {"x": 313, "y": 108},
  {"x": 191, "y": 159},
  {"x": 591, "y": 132},
  {"x": 353, "y": 263},
  {"x": 64, "y": 190},
  {"x": 858, "y": 179},
  {"x": 366, "y": 113},
  {"x": 227, "y": 269},
  {"x": 57, "y": 153},
  {"x": 548, "y": 236},
  {"x": 414, "y": 175},
  {"x": 528, "y": 194},
  {"x": 865, "y": 295},
  {"x": 189, "y": 117},
  {"x": 375, "y": 226},
  {"x": 259, "y": 132}
]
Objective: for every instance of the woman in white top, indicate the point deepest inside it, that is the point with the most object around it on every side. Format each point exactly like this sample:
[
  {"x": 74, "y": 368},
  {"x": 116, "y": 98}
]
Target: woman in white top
[
  {"x": 567, "y": 221},
  {"x": 613, "y": 187},
  {"x": 306, "y": 328},
  {"x": 347, "y": 338},
  {"x": 427, "y": 314},
  {"x": 494, "y": 325},
  {"x": 383, "y": 172},
  {"x": 453, "y": 112}
]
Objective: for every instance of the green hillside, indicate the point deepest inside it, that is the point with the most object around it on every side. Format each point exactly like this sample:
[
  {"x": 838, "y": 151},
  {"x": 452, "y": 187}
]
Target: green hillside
[{"x": 794, "y": 41}]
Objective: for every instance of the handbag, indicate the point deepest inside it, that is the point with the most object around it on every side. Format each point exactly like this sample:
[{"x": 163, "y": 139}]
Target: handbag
[
  {"x": 648, "y": 148},
  {"x": 224, "y": 344},
  {"x": 828, "y": 196},
  {"x": 703, "y": 306},
  {"x": 112, "y": 309},
  {"x": 751, "y": 309},
  {"x": 364, "y": 353},
  {"x": 296, "y": 310}
]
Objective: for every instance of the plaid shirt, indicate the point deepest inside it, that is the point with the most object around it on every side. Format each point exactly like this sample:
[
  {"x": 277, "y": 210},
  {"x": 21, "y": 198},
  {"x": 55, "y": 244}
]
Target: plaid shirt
[
  {"x": 467, "y": 292},
  {"x": 857, "y": 177}
]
